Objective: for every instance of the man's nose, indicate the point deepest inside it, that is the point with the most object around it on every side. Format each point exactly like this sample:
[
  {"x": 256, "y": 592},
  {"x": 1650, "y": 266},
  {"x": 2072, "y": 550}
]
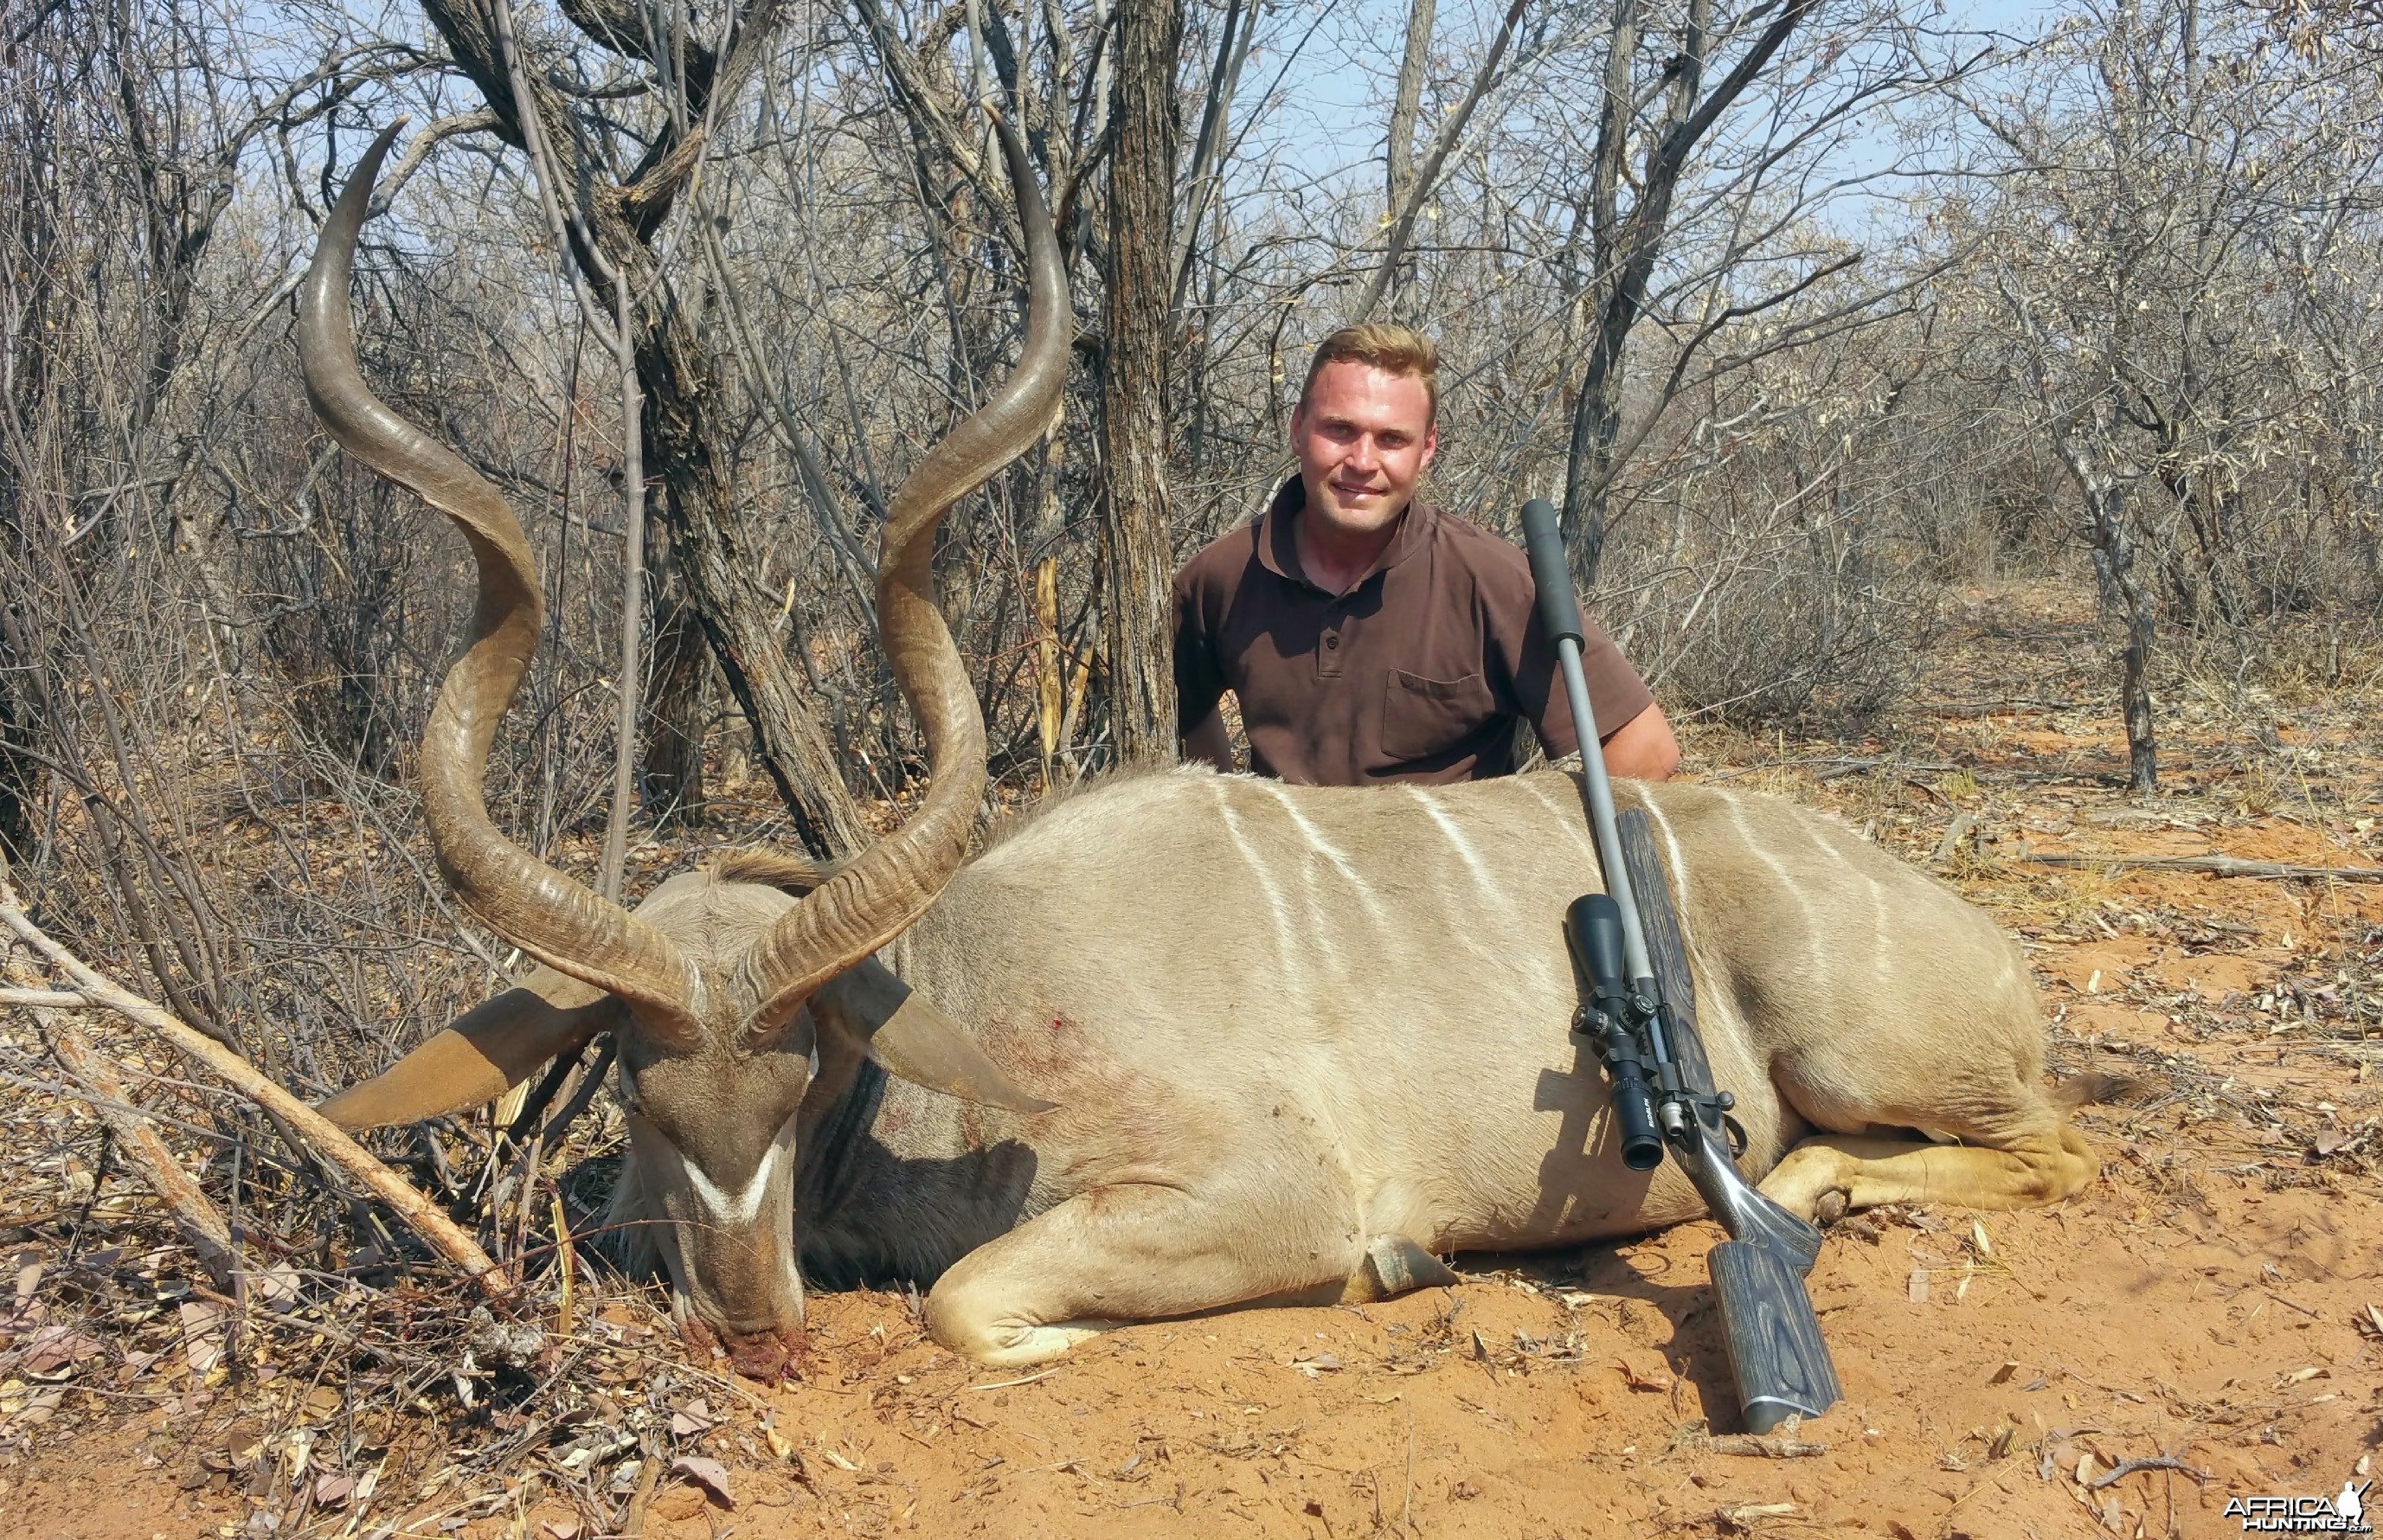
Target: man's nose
[{"x": 1363, "y": 453}]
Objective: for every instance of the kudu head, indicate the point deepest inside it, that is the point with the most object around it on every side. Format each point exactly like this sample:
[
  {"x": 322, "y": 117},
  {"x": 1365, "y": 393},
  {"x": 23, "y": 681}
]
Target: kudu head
[{"x": 704, "y": 991}]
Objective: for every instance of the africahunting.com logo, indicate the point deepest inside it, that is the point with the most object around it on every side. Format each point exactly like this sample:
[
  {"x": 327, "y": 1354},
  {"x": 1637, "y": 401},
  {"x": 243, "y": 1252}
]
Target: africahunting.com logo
[{"x": 2343, "y": 1513}]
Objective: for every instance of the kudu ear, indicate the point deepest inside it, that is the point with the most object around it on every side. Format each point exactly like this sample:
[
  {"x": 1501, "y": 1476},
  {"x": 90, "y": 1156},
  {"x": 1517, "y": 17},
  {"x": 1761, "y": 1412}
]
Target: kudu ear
[
  {"x": 490, "y": 1049},
  {"x": 908, "y": 1036}
]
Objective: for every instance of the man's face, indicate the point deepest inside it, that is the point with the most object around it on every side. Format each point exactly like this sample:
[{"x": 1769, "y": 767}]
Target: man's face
[{"x": 1362, "y": 437}]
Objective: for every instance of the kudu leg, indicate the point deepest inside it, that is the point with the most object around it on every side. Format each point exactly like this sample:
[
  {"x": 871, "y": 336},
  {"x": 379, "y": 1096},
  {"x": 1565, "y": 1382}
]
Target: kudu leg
[
  {"x": 1133, "y": 1252},
  {"x": 2025, "y": 1172}
]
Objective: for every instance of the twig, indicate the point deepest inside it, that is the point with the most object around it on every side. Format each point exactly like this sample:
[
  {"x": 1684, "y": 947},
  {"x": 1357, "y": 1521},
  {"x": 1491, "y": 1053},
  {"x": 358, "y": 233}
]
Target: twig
[
  {"x": 2126, "y": 1468},
  {"x": 201, "y": 1225},
  {"x": 1765, "y": 1445},
  {"x": 1029, "y": 1379},
  {"x": 2221, "y": 865},
  {"x": 649, "y": 1478},
  {"x": 564, "y": 1252},
  {"x": 56, "y": 1000},
  {"x": 323, "y": 1137}
]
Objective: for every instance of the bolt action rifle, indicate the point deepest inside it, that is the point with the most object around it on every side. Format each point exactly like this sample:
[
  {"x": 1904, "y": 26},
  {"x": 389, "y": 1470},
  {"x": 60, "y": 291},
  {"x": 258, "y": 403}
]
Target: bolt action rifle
[{"x": 1640, "y": 1018}]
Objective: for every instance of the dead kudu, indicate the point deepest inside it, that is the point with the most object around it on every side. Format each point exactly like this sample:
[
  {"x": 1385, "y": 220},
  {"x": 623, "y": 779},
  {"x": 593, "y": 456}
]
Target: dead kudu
[{"x": 1178, "y": 1040}]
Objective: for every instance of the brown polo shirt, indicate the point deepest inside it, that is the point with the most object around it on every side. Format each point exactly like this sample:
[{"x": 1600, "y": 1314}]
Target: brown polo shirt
[{"x": 1418, "y": 673}]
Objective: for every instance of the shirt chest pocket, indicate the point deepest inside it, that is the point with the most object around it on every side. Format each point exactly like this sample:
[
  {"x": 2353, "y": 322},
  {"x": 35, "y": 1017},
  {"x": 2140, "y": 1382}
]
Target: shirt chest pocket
[{"x": 1424, "y": 717}]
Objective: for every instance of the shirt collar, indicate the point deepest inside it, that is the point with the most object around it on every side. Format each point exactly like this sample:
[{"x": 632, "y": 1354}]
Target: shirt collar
[{"x": 1278, "y": 544}]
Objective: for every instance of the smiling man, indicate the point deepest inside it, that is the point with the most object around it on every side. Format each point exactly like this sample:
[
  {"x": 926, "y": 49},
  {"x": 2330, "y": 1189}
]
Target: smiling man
[{"x": 1371, "y": 638}]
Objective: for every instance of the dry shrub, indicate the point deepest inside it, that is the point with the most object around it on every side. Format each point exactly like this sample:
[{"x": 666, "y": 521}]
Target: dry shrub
[{"x": 1810, "y": 637}]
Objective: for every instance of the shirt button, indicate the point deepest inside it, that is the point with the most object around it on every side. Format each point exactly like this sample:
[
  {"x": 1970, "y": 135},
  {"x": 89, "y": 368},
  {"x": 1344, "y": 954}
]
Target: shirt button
[{"x": 1331, "y": 640}]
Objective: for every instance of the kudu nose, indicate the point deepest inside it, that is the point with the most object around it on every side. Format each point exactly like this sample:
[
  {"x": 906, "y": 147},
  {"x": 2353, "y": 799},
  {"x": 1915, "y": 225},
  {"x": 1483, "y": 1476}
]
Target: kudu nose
[
  {"x": 768, "y": 1353},
  {"x": 768, "y": 1357}
]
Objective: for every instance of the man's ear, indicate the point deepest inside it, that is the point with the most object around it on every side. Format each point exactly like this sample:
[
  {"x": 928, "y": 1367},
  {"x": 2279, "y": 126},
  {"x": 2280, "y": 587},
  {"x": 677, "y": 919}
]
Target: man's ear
[
  {"x": 487, "y": 1051},
  {"x": 908, "y": 1036},
  {"x": 1430, "y": 446}
]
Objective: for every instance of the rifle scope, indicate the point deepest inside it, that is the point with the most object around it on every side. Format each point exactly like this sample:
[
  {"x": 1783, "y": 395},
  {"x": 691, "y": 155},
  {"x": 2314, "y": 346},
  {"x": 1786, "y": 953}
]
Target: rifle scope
[{"x": 1593, "y": 928}]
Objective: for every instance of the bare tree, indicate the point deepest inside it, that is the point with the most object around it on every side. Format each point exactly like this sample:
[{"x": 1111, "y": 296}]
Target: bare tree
[
  {"x": 1624, "y": 240},
  {"x": 613, "y": 231},
  {"x": 2176, "y": 225},
  {"x": 1137, "y": 553}
]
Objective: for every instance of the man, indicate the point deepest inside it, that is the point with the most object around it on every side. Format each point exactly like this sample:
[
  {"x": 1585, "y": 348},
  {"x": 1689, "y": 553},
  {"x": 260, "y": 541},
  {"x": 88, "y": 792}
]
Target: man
[{"x": 1374, "y": 639}]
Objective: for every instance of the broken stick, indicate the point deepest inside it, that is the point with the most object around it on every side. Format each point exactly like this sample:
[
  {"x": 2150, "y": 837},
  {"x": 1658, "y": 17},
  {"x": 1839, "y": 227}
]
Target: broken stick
[
  {"x": 2220, "y": 865},
  {"x": 93, "y": 989}
]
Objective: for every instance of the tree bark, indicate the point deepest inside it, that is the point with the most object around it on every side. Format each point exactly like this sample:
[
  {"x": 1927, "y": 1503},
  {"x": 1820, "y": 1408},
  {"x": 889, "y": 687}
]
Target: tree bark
[
  {"x": 1408, "y": 100},
  {"x": 674, "y": 748},
  {"x": 2114, "y": 546},
  {"x": 715, "y": 560},
  {"x": 1404, "y": 104},
  {"x": 1137, "y": 551}
]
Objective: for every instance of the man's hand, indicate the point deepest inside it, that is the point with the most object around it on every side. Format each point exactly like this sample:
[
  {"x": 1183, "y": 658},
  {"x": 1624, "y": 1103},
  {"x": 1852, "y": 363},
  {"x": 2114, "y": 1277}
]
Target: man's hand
[
  {"x": 1641, "y": 749},
  {"x": 1209, "y": 744}
]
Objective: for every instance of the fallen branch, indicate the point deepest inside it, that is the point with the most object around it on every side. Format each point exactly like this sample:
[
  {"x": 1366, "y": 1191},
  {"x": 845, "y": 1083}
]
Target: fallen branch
[
  {"x": 196, "y": 1219},
  {"x": 1991, "y": 707},
  {"x": 93, "y": 989},
  {"x": 1766, "y": 1444},
  {"x": 1782, "y": 1445},
  {"x": 2126, "y": 1468},
  {"x": 2220, "y": 865}
]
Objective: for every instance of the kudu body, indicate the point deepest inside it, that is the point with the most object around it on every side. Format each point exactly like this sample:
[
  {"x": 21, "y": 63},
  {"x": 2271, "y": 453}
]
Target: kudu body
[{"x": 1227, "y": 1041}]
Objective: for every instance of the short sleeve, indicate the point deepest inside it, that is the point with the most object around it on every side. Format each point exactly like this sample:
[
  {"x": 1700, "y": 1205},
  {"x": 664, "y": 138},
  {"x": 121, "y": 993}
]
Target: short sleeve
[{"x": 1615, "y": 692}]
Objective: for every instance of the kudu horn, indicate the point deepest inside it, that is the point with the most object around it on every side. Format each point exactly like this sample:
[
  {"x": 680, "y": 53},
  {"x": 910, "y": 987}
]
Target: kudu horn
[
  {"x": 879, "y": 894},
  {"x": 546, "y": 913}
]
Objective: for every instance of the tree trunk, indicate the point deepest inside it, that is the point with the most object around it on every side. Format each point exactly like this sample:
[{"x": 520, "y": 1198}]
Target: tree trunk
[
  {"x": 1137, "y": 550},
  {"x": 2114, "y": 544},
  {"x": 22, "y": 774},
  {"x": 713, "y": 555},
  {"x": 1626, "y": 246},
  {"x": 2086, "y": 448},
  {"x": 1404, "y": 105},
  {"x": 672, "y": 767}
]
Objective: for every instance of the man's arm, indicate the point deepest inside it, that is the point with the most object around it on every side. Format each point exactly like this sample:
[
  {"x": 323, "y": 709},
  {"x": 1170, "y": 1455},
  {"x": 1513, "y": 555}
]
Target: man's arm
[
  {"x": 1199, "y": 680},
  {"x": 1642, "y": 748},
  {"x": 1210, "y": 744}
]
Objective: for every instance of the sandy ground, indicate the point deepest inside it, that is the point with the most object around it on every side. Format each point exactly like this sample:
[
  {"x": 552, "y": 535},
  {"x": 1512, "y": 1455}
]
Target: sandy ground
[{"x": 2204, "y": 1325}]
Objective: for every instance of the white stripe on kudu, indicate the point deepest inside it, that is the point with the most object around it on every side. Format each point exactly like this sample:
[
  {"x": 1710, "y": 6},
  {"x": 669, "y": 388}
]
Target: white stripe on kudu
[
  {"x": 1570, "y": 811},
  {"x": 742, "y": 1208},
  {"x": 1788, "y": 884},
  {"x": 1830, "y": 837},
  {"x": 1283, "y": 925},
  {"x": 1330, "y": 851},
  {"x": 1471, "y": 859},
  {"x": 1673, "y": 859}
]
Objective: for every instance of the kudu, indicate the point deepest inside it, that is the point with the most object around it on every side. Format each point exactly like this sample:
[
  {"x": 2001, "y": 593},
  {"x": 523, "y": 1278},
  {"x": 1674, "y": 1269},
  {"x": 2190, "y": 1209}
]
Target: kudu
[{"x": 1225, "y": 1041}]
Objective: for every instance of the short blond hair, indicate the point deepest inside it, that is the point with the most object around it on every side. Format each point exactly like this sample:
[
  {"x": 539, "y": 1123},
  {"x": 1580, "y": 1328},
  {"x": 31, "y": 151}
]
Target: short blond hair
[{"x": 1394, "y": 350}]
